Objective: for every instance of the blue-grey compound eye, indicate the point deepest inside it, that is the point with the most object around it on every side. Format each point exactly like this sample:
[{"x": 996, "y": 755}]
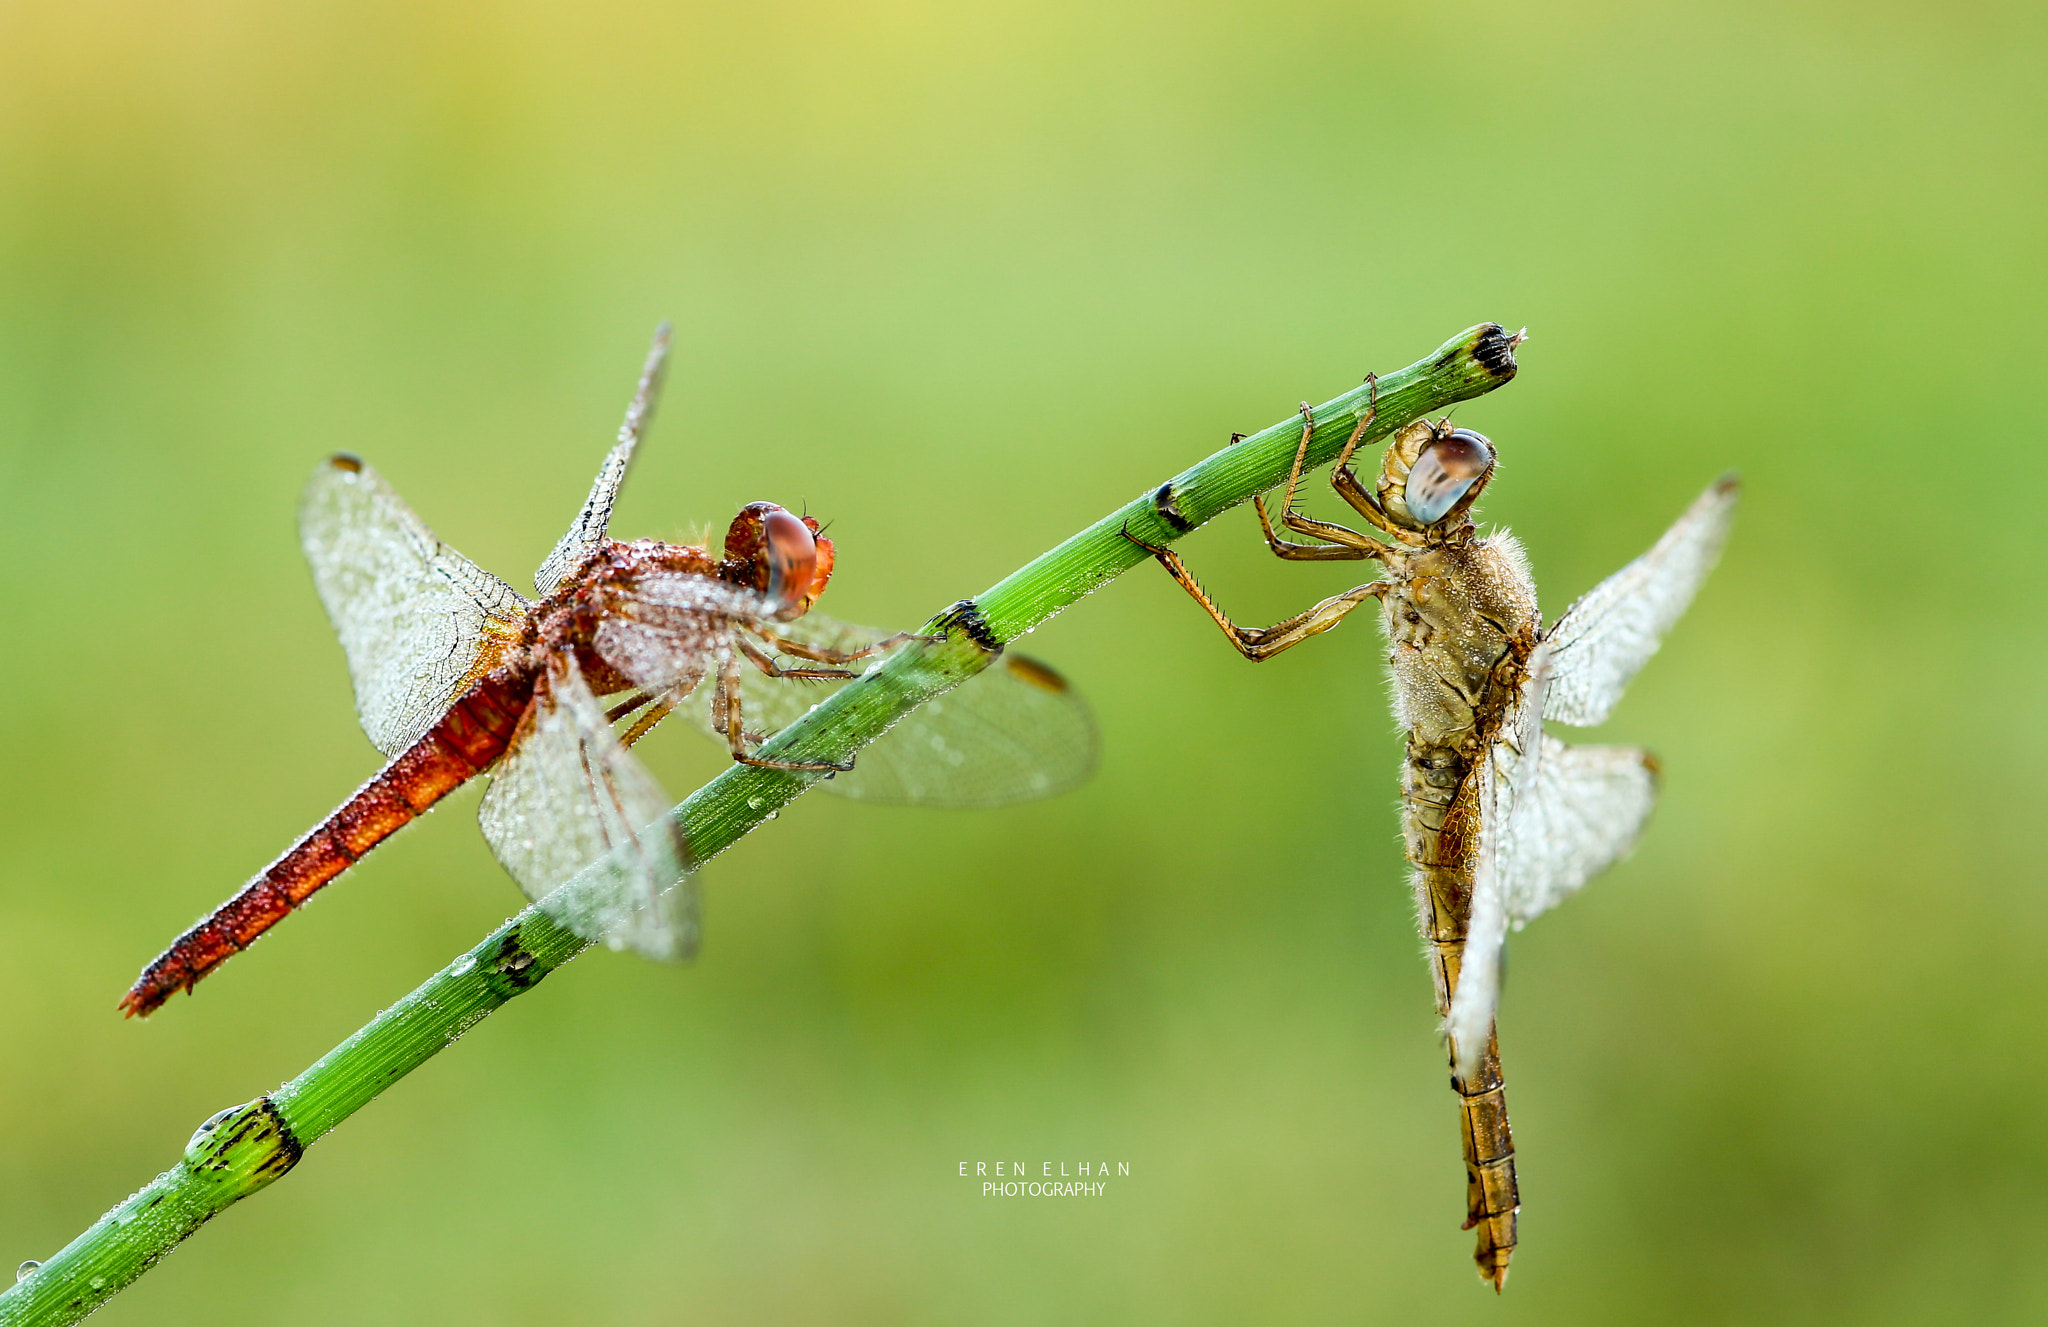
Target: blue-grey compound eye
[{"x": 1445, "y": 472}]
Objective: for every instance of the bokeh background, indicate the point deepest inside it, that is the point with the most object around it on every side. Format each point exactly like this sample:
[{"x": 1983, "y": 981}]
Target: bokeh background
[{"x": 962, "y": 279}]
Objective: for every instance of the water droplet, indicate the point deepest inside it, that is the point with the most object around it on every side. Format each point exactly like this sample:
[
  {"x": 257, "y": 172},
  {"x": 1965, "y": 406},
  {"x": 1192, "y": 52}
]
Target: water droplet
[
  {"x": 98, "y": 1282},
  {"x": 463, "y": 966},
  {"x": 212, "y": 1123},
  {"x": 27, "y": 1269},
  {"x": 773, "y": 814},
  {"x": 753, "y": 804}
]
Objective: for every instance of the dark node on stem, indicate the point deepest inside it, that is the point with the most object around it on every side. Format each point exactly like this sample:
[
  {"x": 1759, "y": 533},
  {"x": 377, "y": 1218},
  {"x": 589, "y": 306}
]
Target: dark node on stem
[
  {"x": 1169, "y": 511},
  {"x": 289, "y": 1148},
  {"x": 514, "y": 963},
  {"x": 966, "y": 617},
  {"x": 1495, "y": 351},
  {"x": 227, "y": 1143}
]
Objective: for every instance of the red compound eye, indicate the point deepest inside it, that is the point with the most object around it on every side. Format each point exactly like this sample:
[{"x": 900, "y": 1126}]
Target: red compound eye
[
  {"x": 1445, "y": 472},
  {"x": 792, "y": 558}
]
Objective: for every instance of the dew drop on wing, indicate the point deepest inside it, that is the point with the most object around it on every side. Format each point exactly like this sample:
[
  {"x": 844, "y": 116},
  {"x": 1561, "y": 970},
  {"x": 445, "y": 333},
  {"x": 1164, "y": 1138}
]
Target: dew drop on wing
[{"x": 26, "y": 1270}]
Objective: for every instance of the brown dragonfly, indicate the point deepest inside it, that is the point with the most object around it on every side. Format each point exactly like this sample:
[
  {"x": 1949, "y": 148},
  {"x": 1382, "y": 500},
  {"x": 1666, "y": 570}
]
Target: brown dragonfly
[
  {"x": 1501, "y": 820},
  {"x": 456, "y": 674}
]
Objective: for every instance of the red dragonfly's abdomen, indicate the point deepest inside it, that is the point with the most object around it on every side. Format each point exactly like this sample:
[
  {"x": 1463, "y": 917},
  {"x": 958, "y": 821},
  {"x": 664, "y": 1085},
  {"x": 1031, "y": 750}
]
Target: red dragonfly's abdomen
[{"x": 469, "y": 737}]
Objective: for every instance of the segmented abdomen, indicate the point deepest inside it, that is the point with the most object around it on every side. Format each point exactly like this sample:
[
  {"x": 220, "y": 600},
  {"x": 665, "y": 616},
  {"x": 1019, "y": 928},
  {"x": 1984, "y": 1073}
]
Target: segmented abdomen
[
  {"x": 1440, "y": 823},
  {"x": 468, "y": 738}
]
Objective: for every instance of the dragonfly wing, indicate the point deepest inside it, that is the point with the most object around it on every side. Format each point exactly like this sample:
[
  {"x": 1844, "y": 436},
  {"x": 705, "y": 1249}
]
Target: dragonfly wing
[
  {"x": 1513, "y": 765},
  {"x": 1478, "y": 993},
  {"x": 1605, "y": 638},
  {"x": 418, "y": 621},
  {"x": 585, "y": 829},
  {"x": 588, "y": 531},
  {"x": 1581, "y": 812},
  {"x": 1013, "y": 732}
]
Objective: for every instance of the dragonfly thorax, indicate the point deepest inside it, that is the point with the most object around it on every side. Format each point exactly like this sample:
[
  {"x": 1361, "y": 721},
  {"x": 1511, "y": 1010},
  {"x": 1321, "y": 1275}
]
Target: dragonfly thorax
[{"x": 1455, "y": 612}]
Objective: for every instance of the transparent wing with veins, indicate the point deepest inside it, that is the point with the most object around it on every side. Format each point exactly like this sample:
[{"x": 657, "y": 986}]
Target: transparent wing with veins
[
  {"x": 1580, "y": 813},
  {"x": 1605, "y": 638},
  {"x": 1014, "y": 732},
  {"x": 1554, "y": 816},
  {"x": 418, "y": 621},
  {"x": 1511, "y": 767},
  {"x": 587, "y": 532},
  {"x": 578, "y": 821}
]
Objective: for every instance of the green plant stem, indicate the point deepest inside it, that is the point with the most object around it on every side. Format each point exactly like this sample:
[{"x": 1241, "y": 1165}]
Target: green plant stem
[{"x": 244, "y": 1149}]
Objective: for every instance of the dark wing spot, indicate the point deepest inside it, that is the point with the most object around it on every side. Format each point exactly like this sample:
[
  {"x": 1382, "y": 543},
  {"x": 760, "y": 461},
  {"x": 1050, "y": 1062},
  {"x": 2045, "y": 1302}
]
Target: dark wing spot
[{"x": 1042, "y": 676}]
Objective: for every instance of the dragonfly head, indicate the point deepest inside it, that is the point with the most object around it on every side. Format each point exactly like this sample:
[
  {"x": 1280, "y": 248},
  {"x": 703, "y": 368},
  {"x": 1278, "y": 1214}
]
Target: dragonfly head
[
  {"x": 780, "y": 554},
  {"x": 1433, "y": 474}
]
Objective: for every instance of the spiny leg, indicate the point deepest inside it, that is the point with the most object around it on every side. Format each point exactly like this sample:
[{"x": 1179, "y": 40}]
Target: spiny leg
[
  {"x": 1344, "y": 545},
  {"x": 1260, "y": 643},
  {"x": 725, "y": 714},
  {"x": 823, "y": 654},
  {"x": 645, "y": 723},
  {"x": 1308, "y": 431},
  {"x": 627, "y": 706},
  {"x": 1348, "y": 486},
  {"x": 761, "y": 660},
  {"x": 1356, "y": 545}
]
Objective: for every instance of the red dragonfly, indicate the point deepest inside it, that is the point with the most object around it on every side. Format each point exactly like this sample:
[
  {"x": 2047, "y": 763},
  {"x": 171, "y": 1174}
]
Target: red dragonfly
[{"x": 456, "y": 673}]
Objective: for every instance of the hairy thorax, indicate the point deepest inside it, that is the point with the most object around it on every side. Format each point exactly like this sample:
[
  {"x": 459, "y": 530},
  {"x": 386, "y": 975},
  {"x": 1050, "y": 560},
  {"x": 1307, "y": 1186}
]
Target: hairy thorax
[{"x": 1461, "y": 619}]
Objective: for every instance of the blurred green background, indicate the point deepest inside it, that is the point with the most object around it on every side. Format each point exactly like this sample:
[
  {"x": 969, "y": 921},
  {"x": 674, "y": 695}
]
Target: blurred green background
[{"x": 962, "y": 279}]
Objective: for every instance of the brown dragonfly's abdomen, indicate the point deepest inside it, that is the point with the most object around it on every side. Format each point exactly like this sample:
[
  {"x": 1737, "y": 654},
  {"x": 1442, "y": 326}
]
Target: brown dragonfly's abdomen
[
  {"x": 1438, "y": 825},
  {"x": 469, "y": 737}
]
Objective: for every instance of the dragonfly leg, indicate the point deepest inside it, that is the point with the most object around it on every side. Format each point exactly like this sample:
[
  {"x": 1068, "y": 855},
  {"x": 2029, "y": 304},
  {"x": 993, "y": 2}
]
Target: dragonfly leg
[
  {"x": 626, "y": 706},
  {"x": 1343, "y": 545},
  {"x": 760, "y": 659},
  {"x": 725, "y": 715},
  {"x": 1259, "y": 643},
  {"x": 1348, "y": 486},
  {"x": 1340, "y": 544},
  {"x": 645, "y": 723},
  {"x": 821, "y": 654}
]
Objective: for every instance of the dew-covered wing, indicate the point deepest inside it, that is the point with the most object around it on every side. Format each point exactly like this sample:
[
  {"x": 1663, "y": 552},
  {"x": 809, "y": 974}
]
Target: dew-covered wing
[
  {"x": 589, "y": 530},
  {"x": 1014, "y": 732},
  {"x": 1605, "y": 638},
  {"x": 584, "y": 828},
  {"x": 1513, "y": 763},
  {"x": 667, "y": 629},
  {"x": 417, "y": 620},
  {"x": 1581, "y": 812},
  {"x": 1552, "y": 817}
]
